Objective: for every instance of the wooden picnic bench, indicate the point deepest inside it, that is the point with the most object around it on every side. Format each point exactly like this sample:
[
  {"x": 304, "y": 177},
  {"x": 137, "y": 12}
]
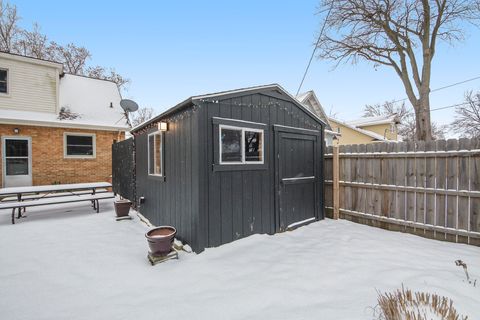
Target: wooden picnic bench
[{"x": 53, "y": 194}]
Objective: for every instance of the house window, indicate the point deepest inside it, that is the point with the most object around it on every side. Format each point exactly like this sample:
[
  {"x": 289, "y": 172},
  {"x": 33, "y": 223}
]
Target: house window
[
  {"x": 155, "y": 153},
  {"x": 4, "y": 81},
  {"x": 241, "y": 145},
  {"x": 79, "y": 145}
]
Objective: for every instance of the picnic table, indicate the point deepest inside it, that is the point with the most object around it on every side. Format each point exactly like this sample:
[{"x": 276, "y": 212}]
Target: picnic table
[{"x": 30, "y": 196}]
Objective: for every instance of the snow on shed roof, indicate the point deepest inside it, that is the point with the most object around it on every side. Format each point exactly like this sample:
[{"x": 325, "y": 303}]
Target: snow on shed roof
[
  {"x": 190, "y": 101},
  {"x": 86, "y": 103}
]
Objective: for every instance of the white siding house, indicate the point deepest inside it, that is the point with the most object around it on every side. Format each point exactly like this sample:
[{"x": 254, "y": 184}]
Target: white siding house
[{"x": 55, "y": 127}]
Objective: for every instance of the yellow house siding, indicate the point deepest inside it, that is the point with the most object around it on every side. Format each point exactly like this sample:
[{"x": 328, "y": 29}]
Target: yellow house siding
[
  {"x": 382, "y": 129},
  {"x": 349, "y": 136},
  {"x": 31, "y": 87}
]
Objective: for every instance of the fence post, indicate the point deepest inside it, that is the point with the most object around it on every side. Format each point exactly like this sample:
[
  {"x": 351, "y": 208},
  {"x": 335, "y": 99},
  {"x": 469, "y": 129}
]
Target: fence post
[{"x": 336, "y": 183}]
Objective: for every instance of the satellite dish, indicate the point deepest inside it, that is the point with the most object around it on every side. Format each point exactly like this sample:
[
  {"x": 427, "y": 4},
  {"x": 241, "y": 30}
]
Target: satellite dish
[{"x": 128, "y": 105}]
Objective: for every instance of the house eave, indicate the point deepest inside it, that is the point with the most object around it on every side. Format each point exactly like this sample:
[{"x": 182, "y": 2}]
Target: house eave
[
  {"x": 57, "y": 124},
  {"x": 31, "y": 60}
]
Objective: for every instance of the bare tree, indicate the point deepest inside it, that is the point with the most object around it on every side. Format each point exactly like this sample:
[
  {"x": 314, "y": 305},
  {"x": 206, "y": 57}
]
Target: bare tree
[
  {"x": 406, "y": 118},
  {"x": 34, "y": 44},
  {"x": 141, "y": 115},
  {"x": 101, "y": 73},
  {"x": 8, "y": 26},
  {"x": 73, "y": 57},
  {"x": 467, "y": 116},
  {"x": 401, "y": 34}
]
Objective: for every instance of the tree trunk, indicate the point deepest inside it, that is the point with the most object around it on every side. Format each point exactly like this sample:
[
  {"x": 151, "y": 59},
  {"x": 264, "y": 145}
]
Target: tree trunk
[{"x": 423, "y": 123}]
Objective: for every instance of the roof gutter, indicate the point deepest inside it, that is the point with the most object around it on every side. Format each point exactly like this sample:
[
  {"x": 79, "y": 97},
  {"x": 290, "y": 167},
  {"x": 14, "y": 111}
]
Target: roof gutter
[
  {"x": 176, "y": 108},
  {"x": 62, "y": 125}
]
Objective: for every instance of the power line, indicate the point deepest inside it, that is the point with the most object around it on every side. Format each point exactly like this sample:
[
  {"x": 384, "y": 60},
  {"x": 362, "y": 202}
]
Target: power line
[
  {"x": 314, "y": 49},
  {"x": 444, "y": 87},
  {"x": 449, "y": 106}
]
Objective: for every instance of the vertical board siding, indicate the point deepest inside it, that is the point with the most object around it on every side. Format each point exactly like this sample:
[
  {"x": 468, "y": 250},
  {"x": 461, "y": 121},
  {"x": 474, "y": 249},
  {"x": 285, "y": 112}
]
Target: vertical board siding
[
  {"x": 173, "y": 200},
  {"x": 430, "y": 189},
  {"x": 242, "y": 203},
  {"x": 123, "y": 169},
  {"x": 212, "y": 207}
]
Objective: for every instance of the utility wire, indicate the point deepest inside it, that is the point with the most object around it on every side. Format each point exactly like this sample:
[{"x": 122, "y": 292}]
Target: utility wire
[
  {"x": 445, "y": 87},
  {"x": 315, "y": 48},
  {"x": 449, "y": 106}
]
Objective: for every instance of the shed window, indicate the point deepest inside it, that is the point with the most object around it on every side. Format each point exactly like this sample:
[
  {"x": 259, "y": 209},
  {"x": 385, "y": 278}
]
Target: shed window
[
  {"x": 155, "y": 151},
  {"x": 3, "y": 81},
  {"x": 241, "y": 145},
  {"x": 79, "y": 145}
]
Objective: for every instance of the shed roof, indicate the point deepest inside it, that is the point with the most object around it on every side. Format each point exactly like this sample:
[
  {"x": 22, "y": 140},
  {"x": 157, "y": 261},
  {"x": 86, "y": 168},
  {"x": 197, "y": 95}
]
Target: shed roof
[{"x": 225, "y": 95}]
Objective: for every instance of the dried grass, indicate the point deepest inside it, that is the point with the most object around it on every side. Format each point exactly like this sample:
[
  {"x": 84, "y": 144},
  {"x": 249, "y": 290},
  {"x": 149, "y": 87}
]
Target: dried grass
[{"x": 403, "y": 304}]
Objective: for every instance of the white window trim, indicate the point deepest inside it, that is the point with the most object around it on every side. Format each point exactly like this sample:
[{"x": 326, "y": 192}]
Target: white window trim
[
  {"x": 242, "y": 145},
  {"x": 160, "y": 133},
  {"x": 6, "y": 94},
  {"x": 94, "y": 145}
]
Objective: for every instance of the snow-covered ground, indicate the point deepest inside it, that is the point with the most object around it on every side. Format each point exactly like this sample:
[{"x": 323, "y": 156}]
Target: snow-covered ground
[{"x": 82, "y": 265}]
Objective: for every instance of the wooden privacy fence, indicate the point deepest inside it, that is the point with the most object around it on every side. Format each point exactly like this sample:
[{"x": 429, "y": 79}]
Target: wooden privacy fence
[{"x": 430, "y": 189}]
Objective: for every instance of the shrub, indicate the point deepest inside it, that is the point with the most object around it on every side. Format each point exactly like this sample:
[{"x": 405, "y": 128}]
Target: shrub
[{"x": 403, "y": 304}]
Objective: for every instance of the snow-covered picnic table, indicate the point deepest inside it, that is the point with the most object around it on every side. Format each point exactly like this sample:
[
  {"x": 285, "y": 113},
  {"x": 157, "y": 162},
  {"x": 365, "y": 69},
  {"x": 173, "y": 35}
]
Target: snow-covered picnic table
[{"x": 52, "y": 194}]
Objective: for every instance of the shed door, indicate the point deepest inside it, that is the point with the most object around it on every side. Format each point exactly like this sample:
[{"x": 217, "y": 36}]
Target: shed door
[{"x": 297, "y": 176}]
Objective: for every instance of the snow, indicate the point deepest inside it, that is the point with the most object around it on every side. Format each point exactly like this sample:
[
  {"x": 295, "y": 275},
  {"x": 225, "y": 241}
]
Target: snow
[
  {"x": 370, "y": 121},
  {"x": 91, "y": 99},
  {"x": 88, "y": 98},
  {"x": 66, "y": 262}
]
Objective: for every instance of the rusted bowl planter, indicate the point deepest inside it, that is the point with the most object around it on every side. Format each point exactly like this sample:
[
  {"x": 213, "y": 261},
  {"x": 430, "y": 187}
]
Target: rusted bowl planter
[
  {"x": 122, "y": 207},
  {"x": 160, "y": 240}
]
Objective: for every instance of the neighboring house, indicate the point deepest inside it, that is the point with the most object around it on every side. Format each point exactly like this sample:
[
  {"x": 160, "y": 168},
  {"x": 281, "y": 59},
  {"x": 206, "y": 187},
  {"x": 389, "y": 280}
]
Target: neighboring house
[
  {"x": 310, "y": 100},
  {"x": 366, "y": 130},
  {"x": 223, "y": 166},
  {"x": 55, "y": 127}
]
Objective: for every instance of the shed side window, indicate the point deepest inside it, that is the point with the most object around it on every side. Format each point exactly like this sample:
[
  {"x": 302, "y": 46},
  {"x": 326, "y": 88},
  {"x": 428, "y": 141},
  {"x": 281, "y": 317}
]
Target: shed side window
[
  {"x": 241, "y": 145},
  {"x": 79, "y": 145},
  {"x": 155, "y": 146},
  {"x": 3, "y": 81}
]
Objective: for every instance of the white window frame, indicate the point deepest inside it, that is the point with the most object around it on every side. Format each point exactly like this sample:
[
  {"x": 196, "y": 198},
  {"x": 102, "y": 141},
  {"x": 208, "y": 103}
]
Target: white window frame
[
  {"x": 8, "y": 82},
  {"x": 80, "y": 134},
  {"x": 242, "y": 145},
  {"x": 159, "y": 133}
]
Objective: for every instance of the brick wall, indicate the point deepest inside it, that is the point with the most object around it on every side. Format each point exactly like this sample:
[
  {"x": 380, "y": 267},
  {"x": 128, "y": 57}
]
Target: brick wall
[{"x": 48, "y": 163}]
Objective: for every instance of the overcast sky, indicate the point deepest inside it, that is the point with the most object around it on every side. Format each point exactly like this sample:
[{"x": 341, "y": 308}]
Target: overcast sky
[{"x": 175, "y": 49}]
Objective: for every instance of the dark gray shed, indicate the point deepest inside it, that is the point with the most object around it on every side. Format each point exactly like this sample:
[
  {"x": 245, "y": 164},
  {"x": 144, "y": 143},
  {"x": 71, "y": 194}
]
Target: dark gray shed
[{"x": 229, "y": 165}]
